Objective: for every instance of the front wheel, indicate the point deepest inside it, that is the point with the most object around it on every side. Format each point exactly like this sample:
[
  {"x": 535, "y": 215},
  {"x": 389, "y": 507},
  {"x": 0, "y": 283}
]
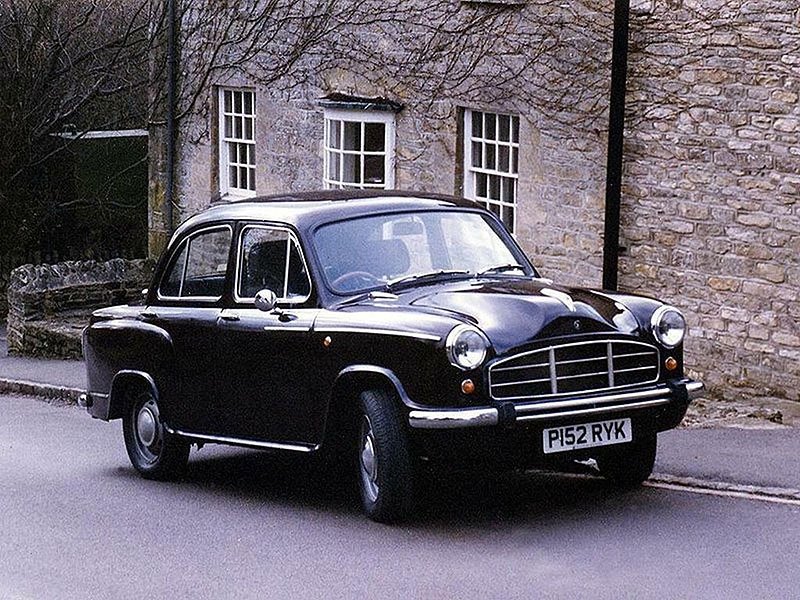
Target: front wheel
[
  {"x": 385, "y": 470},
  {"x": 153, "y": 451},
  {"x": 630, "y": 464}
]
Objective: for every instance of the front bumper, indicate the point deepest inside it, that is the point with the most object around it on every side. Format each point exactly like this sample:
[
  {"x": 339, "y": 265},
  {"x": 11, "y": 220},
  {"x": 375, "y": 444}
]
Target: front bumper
[{"x": 677, "y": 392}]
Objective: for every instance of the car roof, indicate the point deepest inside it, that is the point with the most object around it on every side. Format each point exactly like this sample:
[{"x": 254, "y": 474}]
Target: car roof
[{"x": 305, "y": 210}]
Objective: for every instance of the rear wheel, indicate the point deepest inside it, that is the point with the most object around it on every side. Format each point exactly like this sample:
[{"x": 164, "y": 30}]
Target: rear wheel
[
  {"x": 385, "y": 470},
  {"x": 153, "y": 451},
  {"x": 629, "y": 464}
]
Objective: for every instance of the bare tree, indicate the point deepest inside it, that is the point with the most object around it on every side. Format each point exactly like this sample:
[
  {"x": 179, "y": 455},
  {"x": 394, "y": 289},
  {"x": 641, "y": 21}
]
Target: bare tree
[
  {"x": 64, "y": 67},
  {"x": 548, "y": 56}
]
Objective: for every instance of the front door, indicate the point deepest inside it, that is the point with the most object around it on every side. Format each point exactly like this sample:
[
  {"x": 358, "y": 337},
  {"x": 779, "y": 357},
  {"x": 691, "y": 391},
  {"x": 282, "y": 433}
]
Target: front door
[{"x": 265, "y": 386}]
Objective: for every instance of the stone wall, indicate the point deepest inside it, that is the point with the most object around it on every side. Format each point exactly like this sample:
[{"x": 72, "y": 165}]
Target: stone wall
[
  {"x": 49, "y": 305},
  {"x": 711, "y": 216}
]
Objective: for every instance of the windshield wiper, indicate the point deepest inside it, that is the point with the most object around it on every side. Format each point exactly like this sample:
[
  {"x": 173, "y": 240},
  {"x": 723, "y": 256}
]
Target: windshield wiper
[
  {"x": 417, "y": 277},
  {"x": 501, "y": 269}
]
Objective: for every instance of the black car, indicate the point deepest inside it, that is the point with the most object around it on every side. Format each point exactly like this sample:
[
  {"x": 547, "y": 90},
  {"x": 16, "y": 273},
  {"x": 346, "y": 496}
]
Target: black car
[{"x": 398, "y": 330}]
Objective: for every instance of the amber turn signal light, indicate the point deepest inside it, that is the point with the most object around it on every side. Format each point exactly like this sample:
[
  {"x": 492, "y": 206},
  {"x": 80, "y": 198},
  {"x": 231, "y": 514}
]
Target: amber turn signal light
[
  {"x": 671, "y": 364},
  {"x": 468, "y": 386}
]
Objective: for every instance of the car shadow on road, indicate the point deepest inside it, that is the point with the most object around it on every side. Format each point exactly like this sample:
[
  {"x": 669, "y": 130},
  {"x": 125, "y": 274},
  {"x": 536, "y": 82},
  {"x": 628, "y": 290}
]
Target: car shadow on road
[{"x": 442, "y": 497}]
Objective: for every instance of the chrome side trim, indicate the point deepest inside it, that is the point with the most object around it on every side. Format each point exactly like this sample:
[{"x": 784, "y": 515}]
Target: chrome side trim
[
  {"x": 595, "y": 411},
  {"x": 233, "y": 441},
  {"x": 453, "y": 419},
  {"x": 409, "y": 334}
]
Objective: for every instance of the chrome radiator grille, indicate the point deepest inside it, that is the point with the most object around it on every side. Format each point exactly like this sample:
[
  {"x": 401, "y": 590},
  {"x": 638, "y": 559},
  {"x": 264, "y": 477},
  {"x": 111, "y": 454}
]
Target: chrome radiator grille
[{"x": 575, "y": 368}]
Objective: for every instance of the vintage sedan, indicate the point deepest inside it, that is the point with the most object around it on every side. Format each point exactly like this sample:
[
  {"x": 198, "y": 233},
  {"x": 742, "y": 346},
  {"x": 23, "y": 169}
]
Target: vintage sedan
[{"x": 390, "y": 330}]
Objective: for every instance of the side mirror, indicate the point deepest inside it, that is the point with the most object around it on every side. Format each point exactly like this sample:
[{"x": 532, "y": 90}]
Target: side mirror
[{"x": 266, "y": 300}]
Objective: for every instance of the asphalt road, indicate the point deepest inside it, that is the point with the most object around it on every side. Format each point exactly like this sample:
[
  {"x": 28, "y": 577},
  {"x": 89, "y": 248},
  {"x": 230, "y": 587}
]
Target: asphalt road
[{"x": 77, "y": 522}]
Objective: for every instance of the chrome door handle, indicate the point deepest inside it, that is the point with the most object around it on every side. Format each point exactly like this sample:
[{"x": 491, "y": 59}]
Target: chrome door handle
[
  {"x": 229, "y": 316},
  {"x": 148, "y": 315}
]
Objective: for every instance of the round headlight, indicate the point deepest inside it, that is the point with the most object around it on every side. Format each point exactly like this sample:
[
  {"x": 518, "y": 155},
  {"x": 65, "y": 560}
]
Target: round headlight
[
  {"x": 668, "y": 326},
  {"x": 466, "y": 347}
]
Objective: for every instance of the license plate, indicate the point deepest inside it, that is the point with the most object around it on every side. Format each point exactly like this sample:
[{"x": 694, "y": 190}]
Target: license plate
[{"x": 586, "y": 435}]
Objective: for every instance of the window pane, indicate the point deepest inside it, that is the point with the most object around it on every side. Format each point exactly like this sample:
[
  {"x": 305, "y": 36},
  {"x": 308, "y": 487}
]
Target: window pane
[
  {"x": 490, "y": 132},
  {"x": 480, "y": 185},
  {"x": 243, "y": 177},
  {"x": 504, "y": 127},
  {"x": 373, "y": 169},
  {"x": 248, "y": 103},
  {"x": 351, "y": 169},
  {"x": 374, "y": 134},
  {"x": 248, "y": 129},
  {"x": 494, "y": 187},
  {"x": 477, "y": 124},
  {"x": 514, "y": 160},
  {"x": 237, "y": 127},
  {"x": 477, "y": 154},
  {"x": 228, "y": 102},
  {"x": 352, "y": 135},
  {"x": 508, "y": 217},
  {"x": 515, "y": 130},
  {"x": 503, "y": 159},
  {"x": 263, "y": 261},
  {"x": 228, "y": 127},
  {"x": 233, "y": 179},
  {"x": 171, "y": 284},
  {"x": 251, "y": 179},
  {"x": 237, "y": 102},
  {"x": 298, "y": 284},
  {"x": 208, "y": 261},
  {"x": 333, "y": 166},
  {"x": 491, "y": 157},
  {"x": 508, "y": 190},
  {"x": 334, "y": 133}
]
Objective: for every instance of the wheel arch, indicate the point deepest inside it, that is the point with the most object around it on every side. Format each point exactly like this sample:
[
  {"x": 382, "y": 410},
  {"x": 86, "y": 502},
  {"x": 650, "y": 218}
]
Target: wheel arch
[
  {"x": 347, "y": 387},
  {"x": 124, "y": 381}
]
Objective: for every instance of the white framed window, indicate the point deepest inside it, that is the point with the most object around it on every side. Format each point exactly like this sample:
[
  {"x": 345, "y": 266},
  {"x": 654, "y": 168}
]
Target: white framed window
[
  {"x": 237, "y": 142},
  {"x": 359, "y": 149},
  {"x": 491, "y": 162}
]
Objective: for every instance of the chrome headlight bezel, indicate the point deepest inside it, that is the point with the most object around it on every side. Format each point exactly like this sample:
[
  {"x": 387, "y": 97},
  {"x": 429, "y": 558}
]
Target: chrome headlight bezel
[
  {"x": 477, "y": 345},
  {"x": 665, "y": 323}
]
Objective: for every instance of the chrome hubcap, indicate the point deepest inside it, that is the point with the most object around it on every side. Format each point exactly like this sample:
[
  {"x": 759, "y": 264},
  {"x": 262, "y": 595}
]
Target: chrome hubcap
[
  {"x": 147, "y": 424},
  {"x": 369, "y": 463}
]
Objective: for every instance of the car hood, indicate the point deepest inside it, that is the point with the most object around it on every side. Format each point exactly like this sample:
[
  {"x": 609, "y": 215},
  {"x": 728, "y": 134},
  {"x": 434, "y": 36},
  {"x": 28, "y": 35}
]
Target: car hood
[{"x": 514, "y": 312}]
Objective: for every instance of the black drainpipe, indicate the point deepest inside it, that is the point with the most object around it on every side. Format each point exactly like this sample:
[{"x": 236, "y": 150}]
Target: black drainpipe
[
  {"x": 172, "y": 68},
  {"x": 616, "y": 132}
]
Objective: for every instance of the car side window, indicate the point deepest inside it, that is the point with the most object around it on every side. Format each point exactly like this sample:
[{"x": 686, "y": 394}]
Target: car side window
[
  {"x": 198, "y": 269},
  {"x": 270, "y": 258}
]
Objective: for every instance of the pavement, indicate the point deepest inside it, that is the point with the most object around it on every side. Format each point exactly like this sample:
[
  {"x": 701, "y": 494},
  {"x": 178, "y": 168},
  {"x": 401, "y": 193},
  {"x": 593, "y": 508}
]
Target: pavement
[{"x": 759, "y": 457}]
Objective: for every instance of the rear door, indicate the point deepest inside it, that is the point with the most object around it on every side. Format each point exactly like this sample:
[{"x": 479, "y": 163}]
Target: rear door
[{"x": 189, "y": 302}]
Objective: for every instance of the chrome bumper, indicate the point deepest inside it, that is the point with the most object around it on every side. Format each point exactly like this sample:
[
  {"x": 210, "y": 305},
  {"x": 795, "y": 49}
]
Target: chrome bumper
[{"x": 459, "y": 418}]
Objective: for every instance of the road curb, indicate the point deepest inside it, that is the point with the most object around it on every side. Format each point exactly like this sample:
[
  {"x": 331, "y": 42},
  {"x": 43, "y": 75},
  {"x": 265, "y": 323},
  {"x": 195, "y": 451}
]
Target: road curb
[
  {"x": 721, "y": 486},
  {"x": 43, "y": 390}
]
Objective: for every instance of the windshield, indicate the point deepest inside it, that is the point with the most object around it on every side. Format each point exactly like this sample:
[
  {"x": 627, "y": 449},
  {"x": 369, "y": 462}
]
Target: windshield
[{"x": 385, "y": 251}]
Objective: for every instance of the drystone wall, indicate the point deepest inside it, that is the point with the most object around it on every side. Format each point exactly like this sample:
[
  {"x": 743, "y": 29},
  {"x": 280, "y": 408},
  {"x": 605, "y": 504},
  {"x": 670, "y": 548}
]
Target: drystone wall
[
  {"x": 711, "y": 218},
  {"x": 49, "y": 305}
]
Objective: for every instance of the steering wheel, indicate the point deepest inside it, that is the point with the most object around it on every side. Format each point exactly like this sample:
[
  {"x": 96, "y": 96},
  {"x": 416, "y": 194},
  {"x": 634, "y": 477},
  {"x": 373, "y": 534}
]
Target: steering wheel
[{"x": 355, "y": 280}]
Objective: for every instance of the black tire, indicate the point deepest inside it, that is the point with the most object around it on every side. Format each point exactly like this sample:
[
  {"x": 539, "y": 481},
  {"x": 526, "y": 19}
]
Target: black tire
[
  {"x": 385, "y": 473},
  {"x": 630, "y": 464},
  {"x": 153, "y": 451}
]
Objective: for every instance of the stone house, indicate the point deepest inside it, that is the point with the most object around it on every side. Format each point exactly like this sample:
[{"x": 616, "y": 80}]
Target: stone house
[{"x": 515, "y": 115}]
